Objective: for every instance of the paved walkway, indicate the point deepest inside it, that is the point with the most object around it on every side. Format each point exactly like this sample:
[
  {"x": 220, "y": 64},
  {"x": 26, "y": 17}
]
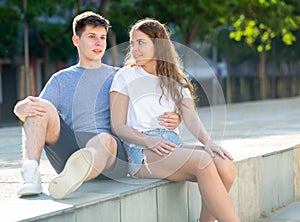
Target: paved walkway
[
  {"x": 245, "y": 129},
  {"x": 11, "y": 161}
]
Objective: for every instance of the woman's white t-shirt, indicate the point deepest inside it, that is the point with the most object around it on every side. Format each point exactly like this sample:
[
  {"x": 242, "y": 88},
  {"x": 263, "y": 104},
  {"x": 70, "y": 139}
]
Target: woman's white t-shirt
[{"x": 144, "y": 94}]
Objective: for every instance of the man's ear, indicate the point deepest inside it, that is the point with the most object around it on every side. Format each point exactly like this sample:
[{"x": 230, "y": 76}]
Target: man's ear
[{"x": 75, "y": 40}]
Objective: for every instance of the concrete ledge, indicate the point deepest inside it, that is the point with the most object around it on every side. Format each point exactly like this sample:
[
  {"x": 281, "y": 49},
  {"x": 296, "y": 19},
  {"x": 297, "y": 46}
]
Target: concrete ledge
[
  {"x": 263, "y": 137},
  {"x": 264, "y": 183}
]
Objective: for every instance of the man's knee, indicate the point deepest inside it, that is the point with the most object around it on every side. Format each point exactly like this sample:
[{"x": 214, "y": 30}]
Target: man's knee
[
  {"x": 51, "y": 113},
  {"x": 49, "y": 107},
  {"x": 49, "y": 122},
  {"x": 103, "y": 140}
]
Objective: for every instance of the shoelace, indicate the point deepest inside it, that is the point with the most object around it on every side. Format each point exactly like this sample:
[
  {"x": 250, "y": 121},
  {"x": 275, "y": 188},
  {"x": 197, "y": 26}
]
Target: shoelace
[{"x": 28, "y": 173}]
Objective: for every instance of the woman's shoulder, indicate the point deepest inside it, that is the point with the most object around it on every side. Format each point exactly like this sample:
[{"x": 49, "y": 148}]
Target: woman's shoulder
[{"x": 127, "y": 70}]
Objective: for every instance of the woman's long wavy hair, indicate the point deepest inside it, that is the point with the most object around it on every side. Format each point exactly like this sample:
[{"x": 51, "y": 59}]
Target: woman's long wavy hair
[{"x": 167, "y": 61}]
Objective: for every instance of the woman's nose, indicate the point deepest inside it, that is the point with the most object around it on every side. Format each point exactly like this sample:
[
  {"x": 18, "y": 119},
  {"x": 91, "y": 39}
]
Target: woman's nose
[{"x": 133, "y": 47}]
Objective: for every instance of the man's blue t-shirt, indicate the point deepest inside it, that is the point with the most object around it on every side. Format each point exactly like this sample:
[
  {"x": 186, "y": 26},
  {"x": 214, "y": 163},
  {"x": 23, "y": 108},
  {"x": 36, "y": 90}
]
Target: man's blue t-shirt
[{"x": 81, "y": 97}]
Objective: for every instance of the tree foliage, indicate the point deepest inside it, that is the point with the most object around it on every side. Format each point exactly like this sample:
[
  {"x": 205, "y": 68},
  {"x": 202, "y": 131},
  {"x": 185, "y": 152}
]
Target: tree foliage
[
  {"x": 10, "y": 38},
  {"x": 263, "y": 20},
  {"x": 190, "y": 20},
  {"x": 256, "y": 22}
]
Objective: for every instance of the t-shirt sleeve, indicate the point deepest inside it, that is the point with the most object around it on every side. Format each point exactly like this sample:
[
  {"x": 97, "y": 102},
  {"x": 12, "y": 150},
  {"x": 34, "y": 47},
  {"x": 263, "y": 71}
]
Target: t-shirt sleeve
[
  {"x": 119, "y": 83},
  {"x": 186, "y": 93},
  {"x": 51, "y": 91}
]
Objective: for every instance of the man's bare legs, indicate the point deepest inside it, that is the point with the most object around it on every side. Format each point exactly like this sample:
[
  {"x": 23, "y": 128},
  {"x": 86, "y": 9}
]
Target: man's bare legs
[
  {"x": 104, "y": 147},
  {"x": 213, "y": 191},
  {"x": 37, "y": 130},
  {"x": 84, "y": 164},
  {"x": 45, "y": 128}
]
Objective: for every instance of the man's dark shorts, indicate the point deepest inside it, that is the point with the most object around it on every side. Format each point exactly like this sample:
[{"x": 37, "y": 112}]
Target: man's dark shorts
[{"x": 69, "y": 143}]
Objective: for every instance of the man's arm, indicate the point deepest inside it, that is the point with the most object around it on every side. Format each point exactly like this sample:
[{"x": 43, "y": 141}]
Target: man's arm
[
  {"x": 123, "y": 131},
  {"x": 170, "y": 120},
  {"x": 29, "y": 107}
]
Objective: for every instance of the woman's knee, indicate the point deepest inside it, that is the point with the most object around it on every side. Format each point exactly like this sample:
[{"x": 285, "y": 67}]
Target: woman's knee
[
  {"x": 201, "y": 160},
  {"x": 226, "y": 168}
]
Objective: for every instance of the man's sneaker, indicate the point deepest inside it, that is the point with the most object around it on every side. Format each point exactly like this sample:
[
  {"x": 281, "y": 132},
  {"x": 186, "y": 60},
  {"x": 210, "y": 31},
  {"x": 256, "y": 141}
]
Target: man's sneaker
[
  {"x": 30, "y": 179},
  {"x": 77, "y": 169}
]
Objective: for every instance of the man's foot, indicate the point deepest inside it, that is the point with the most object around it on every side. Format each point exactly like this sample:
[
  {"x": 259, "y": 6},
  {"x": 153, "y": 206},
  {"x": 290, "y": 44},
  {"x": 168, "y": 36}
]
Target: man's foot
[
  {"x": 77, "y": 169},
  {"x": 30, "y": 179}
]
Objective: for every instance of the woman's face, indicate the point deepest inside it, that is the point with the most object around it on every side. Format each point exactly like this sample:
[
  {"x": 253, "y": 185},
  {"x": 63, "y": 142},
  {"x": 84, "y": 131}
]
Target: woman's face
[{"x": 142, "y": 49}]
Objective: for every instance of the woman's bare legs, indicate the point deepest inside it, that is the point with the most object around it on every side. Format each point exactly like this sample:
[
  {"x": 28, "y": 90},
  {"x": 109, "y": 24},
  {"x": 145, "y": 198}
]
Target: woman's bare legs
[
  {"x": 227, "y": 172},
  {"x": 187, "y": 164}
]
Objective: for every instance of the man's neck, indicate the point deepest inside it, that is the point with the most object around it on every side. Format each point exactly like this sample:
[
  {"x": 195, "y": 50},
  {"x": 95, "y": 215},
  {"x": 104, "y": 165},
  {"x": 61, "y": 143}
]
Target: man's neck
[{"x": 90, "y": 65}]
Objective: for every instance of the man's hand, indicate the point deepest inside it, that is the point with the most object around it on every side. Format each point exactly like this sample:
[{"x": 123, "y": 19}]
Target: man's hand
[
  {"x": 29, "y": 107},
  {"x": 170, "y": 120}
]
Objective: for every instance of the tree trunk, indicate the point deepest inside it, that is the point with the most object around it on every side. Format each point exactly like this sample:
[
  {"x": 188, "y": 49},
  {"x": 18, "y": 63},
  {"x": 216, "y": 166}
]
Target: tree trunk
[
  {"x": 26, "y": 53},
  {"x": 228, "y": 82},
  {"x": 22, "y": 83},
  {"x": 186, "y": 55},
  {"x": 47, "y": 73},
  {"x": 112, "y": 39},
  {"x": 262, "y": 73}
]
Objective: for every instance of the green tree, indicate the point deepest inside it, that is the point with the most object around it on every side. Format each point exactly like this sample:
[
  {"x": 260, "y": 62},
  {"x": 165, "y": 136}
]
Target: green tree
[
  {"x": 232, "y": 52},
  {"x": 10, "y": 39},
  {"x": 44, "y": 23},
  {"x": 51, "y": 22},
  {"x": 259, "y": 22},
  {"x": 190, "y": 20}
]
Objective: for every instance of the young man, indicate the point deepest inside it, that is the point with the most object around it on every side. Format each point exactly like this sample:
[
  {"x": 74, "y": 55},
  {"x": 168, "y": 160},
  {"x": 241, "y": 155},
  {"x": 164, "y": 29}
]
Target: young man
[{"x": 71, "y": 119}]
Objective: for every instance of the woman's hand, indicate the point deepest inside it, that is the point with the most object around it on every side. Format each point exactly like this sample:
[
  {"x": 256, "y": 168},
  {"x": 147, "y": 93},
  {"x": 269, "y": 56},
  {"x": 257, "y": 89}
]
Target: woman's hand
[
  {"x": 160, "y": 146},
  {"x": 216, "y": 149},
  {"x": 170, "y": 120}
]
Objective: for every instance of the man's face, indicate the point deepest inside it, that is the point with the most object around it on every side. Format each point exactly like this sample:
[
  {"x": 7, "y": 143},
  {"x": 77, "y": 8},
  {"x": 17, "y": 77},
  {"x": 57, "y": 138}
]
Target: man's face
[{"x": 91, "y": 44}]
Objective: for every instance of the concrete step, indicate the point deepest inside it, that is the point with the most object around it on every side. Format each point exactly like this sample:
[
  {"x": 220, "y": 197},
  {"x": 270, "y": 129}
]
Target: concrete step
[
  {"x": 258, "y": 189},
  {"x": 127, "y": 200},
  {"x": 290, "y": 213}
]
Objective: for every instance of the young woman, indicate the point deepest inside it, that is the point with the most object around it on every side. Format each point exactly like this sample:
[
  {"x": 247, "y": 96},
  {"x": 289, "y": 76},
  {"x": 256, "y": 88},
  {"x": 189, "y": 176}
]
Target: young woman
[{"x": 155, "y": 84}]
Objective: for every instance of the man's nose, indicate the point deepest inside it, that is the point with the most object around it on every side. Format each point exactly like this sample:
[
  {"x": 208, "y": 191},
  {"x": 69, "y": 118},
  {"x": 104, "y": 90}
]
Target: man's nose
[{"x": 99, "y": 41}]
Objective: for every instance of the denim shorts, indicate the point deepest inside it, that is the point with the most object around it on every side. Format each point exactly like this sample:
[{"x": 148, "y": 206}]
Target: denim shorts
[{"x": 134, "y": 151}]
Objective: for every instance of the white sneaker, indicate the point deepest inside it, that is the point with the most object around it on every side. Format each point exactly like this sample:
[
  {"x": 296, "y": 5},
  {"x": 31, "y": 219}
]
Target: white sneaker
[
  {"x": 30, "y": 180},
  {"x": 77, "y": 169}
]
